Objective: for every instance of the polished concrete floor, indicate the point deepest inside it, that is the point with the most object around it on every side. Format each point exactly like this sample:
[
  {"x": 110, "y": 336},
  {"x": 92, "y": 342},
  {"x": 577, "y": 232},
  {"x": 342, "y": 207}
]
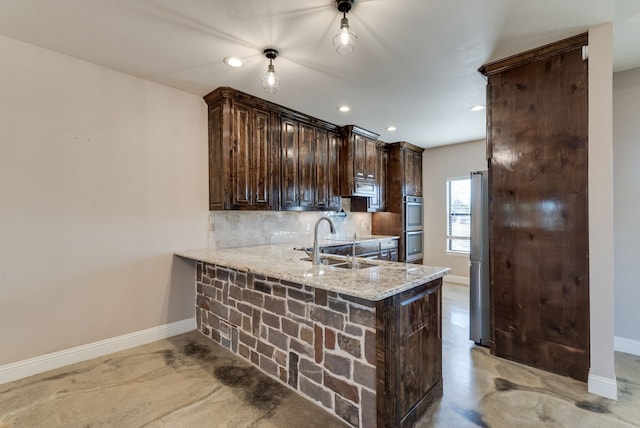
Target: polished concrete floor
[{"x": 186, "y": 382}]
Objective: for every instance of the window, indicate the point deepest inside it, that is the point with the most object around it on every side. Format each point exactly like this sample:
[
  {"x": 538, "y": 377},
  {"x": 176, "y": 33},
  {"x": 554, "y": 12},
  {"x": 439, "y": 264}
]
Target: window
[{"x": 458, "y": 214}]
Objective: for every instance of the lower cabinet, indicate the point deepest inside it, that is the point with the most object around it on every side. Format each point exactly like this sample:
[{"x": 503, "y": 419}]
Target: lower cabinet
[{"x": 409, "y": 349}]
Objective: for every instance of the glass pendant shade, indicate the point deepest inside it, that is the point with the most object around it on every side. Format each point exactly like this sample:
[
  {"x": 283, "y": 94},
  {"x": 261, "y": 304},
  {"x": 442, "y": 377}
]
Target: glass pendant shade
[
  {"x": 345, "y": 41},
  {"x": 271, "y": 82}
]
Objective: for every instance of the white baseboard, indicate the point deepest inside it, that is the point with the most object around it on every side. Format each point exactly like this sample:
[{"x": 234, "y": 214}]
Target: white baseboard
[
  {"x": 456, "y": 279},
  {"x": 54, "y": 360},
  {"x": 628, "y": 346},
  {"x": 603, "y": 386}
]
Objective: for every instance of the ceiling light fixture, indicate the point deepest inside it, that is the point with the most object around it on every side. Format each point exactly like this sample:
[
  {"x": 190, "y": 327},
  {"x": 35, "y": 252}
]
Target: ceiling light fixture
[
  {"x": 345, "y": 41},
  {"x": 344, "y": 109},
  {"x": 271, "y": 81},
  {"x": 477, "y": 108},
  {"x": 234, "y": 61},
  {"x": 391, "y": 128}
]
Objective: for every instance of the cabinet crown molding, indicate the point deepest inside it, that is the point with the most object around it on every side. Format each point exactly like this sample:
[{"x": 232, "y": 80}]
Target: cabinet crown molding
[{"x": 565, "y": 45}]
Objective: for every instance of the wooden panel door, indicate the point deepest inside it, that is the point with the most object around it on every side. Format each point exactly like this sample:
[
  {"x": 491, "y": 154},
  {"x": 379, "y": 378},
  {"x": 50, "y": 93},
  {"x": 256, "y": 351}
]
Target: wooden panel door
[
  {"x": 306, "y": 166},
  {"x": 322, "y": 165},
  {"x": 416, "y": 158},
  {"x": 217, "y": 173},
  {"x": 420, "y": 345},
  {"x": 241, "y": 144},
  {"x": 250, "y": 158},
  {"x": 333, "y": 171},
  {"x": 262, "y": 172},
  {"x": 408, "y": 354},
  {"x": 537, "y": 136},
  {"x": 289, "y": 172},
  {"x": 371, "y": 159},
  {"x": 359, "y": 157},
  {"x": 379, "y": 200}
]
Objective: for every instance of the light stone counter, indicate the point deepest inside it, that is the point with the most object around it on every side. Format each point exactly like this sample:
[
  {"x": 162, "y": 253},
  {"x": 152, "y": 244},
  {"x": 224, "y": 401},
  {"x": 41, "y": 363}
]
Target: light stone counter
[{"x": 282, "y": 262}]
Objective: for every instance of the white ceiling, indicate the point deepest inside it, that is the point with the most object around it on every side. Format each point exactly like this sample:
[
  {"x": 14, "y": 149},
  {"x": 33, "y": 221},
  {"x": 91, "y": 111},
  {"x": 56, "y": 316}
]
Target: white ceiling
[{"x": 415, "y": 65}]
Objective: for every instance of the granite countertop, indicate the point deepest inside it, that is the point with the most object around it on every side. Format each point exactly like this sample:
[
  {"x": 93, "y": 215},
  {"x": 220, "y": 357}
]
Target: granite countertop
[{"x": 378, "y": 282}]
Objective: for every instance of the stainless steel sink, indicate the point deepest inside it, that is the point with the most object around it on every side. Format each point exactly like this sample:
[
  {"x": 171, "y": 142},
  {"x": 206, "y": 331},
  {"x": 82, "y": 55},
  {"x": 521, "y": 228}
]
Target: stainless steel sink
[{"x": 341, "y": 263}]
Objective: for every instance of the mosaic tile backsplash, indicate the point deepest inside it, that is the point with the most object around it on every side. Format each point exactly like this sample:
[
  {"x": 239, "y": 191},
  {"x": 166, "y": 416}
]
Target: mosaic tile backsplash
[{"x": 229, "y": 229}]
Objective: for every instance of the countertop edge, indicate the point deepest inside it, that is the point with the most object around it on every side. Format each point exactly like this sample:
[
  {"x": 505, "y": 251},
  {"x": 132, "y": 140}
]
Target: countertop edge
[{"x": 311, "y": 275}]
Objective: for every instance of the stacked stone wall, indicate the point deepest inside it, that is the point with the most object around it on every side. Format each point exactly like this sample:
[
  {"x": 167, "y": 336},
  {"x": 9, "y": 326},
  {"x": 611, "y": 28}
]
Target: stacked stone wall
[{"x": 320, "y": 343}]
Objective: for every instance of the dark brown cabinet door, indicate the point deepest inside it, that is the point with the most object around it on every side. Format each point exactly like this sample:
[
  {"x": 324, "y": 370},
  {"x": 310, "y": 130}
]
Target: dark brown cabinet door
[
  {"x": 371, "y": 159},
  {"x": 217, "y": 173},
  {"x": 409, "y": 353},
  {"x": 306, "y": 166},
  {"x": 250, "y": 158},
  {"x": 415, "y": 187},
  {"x": 413, "y": 173},
  {"x": 537, "y": 141},
  {"x": 332, "y": 171},
  {"x": 420, "y": 344},
  {"x": 359, "y": 157},
  {"x": 378, "y": 202},
  {"x": 326, "y": 163},
  {"x": 322, "y": 168},
  {"x": 241, "y": 155},
  {"x": 261, "y": 161},
  {"x": 289, "y": 156}
]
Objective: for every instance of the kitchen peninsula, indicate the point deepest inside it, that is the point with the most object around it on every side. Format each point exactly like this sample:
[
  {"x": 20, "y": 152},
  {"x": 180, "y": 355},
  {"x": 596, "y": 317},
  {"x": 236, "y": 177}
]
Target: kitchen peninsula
[{"x": 364, "y": 343}]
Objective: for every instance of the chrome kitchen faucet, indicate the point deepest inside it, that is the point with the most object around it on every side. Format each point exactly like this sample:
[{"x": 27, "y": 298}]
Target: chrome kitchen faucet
[{"x": 316, "y": 247}]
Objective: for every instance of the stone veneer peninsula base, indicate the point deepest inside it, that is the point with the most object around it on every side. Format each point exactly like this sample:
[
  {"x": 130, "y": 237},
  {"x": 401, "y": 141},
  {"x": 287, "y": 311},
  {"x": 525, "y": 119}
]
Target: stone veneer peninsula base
[{"x": 374, "y": 363}]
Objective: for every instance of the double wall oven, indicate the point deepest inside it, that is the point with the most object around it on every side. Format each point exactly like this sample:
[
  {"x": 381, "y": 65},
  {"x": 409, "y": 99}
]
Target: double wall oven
[{"x": 412, "y": 228}]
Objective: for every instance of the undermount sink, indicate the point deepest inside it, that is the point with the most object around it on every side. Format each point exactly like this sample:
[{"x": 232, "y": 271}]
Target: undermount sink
[{"x": 341, "y": 263}]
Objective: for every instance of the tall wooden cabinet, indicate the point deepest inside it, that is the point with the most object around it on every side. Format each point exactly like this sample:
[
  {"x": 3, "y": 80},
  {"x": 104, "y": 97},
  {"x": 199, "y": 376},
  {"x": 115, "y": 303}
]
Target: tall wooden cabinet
[
  {"x": 537, "y": 137},
  {"x": 404, "y": 178},
  {"x": 242, "y": 149}
]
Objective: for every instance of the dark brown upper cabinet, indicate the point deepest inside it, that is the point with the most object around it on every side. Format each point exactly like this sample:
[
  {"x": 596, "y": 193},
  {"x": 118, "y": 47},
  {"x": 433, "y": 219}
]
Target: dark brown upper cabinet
[
  {"x": 404, "y": 173},
  {"x": 377, "y": 202},
  {"x": 263, "y": 156},
  {"x": 359, "y": 161},
  {"x": 242, "y": 146},
  {"x": 413, "y": 171},
  {"x": 309, "y": 167}
]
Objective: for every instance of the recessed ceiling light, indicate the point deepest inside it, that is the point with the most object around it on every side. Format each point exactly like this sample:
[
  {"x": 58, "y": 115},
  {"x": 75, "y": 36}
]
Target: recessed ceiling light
[
  {"x": 477, "y": 108},
  {"x": 344, "y": 109},
  {"x": 234, "y": 61},
  {"x": 391, "y": 128}
]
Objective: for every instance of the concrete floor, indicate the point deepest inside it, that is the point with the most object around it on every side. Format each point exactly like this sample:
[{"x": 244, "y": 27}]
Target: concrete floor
[{"x": 187, "y": 381}]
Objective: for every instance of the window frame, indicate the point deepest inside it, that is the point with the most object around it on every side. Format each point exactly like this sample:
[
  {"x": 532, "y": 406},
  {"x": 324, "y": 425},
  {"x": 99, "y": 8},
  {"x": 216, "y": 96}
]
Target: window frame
[{"x": 450, "y": 238}]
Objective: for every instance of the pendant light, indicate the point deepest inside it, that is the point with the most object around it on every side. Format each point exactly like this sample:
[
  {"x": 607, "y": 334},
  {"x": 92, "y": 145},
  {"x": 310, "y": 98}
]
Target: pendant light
[
  {"x": 345, "y": 41},
  {"x": 271, "y": 82}
]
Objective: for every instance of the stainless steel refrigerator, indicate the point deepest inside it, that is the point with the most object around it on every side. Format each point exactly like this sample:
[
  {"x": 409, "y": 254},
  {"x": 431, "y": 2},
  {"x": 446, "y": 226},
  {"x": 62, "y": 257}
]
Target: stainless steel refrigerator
[{"x": 479, "y": 319}]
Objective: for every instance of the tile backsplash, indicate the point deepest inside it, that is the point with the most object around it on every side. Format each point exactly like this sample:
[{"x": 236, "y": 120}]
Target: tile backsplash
[{"x": 228, "y": 229}]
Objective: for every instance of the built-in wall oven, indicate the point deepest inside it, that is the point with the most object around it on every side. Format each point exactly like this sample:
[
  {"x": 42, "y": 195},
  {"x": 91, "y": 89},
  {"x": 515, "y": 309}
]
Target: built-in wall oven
[
  {"x": 412, "y": 228},
  {"x": 412, "y": 246},
  {"x": 412, "y": 213}
]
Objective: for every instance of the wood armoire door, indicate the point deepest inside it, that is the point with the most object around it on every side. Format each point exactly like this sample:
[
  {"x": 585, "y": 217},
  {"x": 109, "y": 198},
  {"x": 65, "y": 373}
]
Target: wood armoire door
[
  {"x": 290, "y": 153},
  {"x": 537, "y": 146}
]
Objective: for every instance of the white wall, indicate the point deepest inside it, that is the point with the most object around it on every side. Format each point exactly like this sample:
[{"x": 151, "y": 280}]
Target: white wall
[
  {"x": 102, "y": 176},
  {"x": 438, "y": 164},
  {"x": 626, "y": 203},
  {"x": 602, "y": 378}
]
